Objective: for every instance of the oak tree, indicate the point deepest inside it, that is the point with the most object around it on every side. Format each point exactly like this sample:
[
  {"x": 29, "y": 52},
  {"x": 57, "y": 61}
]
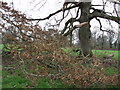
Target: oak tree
[{"x": 85, "y": 16}]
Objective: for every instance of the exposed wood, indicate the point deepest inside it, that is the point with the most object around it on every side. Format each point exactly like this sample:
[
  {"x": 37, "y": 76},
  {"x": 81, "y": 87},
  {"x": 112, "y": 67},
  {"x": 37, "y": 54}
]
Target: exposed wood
[{"x": 80, "y": 25}]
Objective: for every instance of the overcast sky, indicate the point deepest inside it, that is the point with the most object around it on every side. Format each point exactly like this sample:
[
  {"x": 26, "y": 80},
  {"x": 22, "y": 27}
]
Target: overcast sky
[{"x": 41, "y": 9}]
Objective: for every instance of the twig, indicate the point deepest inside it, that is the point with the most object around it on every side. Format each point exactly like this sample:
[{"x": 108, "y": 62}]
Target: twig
[
  {"x": 8, "y": 67},
  {"x": 50, "y": 15}
]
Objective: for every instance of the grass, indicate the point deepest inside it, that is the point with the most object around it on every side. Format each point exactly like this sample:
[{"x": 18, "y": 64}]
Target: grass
[
  {"x": 102, "y": 53},
  {"x": 70, "y": 51},
  {"x": 111, "y": 71},
  {"x": 49, "y": 83},
  {"x": 9, "y": 47},
  {"x": 14, "y": 81},
  {"x": 99, "y": 53},
  {"x": 1, "y": 46},
  {"x": 18, "y": 80}
]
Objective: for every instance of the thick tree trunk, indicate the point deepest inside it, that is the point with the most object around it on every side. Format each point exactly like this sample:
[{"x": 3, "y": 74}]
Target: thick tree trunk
[
  {"x": 84, "y": 32},
  {"x": 85, "y": 40}
]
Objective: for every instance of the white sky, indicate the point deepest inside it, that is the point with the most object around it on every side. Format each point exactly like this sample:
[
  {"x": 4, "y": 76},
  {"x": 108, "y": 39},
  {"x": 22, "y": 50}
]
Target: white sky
[{"x": 34, "y": 9}]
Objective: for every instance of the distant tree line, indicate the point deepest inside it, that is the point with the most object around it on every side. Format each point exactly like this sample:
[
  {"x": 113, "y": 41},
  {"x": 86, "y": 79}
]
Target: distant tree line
[{"x": 106, "y": 41}]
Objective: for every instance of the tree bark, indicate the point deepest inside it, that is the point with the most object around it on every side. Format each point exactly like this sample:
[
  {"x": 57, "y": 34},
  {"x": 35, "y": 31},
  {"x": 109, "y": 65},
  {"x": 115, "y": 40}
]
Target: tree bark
[
  {"x": 84, "y": 32},
  {"x": 85, "y": 40},
  {"x": 71, "y": 37}
]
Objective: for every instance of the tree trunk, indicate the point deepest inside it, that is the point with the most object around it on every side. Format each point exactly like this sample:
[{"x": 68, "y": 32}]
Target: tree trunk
[
  {"x": 71, "y": 36},
  {"x": 84, "y": 37},
  {"x": 84, "y": 32}
]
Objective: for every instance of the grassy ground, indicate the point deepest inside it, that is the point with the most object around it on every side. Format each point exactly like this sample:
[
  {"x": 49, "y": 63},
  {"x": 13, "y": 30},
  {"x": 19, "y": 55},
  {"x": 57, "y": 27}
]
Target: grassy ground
[
  {"x": 99, "y": 53},
  {"x": 112, "y": 71},
  {"x": 14, "y": 79},
  {"x": 103, "y": 53},
  {"x": 17, "y": 80}
]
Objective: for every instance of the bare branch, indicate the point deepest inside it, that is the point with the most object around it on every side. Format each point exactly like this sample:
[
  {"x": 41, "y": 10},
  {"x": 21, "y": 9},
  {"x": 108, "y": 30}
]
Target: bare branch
[
  {"x": 116, "y": 10},
  {"x": 99, "y": 23},
  {"x": 63, "y": 17},
  {"x": 71, "y": 20},
  {"x": 50, "y": 15},
  {"x": 102, "y": 14}
]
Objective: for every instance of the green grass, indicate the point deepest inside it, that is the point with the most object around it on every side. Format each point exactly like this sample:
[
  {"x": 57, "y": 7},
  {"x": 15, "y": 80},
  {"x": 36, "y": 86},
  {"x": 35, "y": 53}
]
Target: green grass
[
  {"x": 18, "y": 80},
  {"x": 49, "y": 83},
  {"x": 99, "y": 53},
  {"x": 70, "y": 51},
  {"x": 111, "y": 71},
  {"x": 1, "y": 46},
  {"x": 14, "y": 81},
  {"x": 102, "y": 53}
]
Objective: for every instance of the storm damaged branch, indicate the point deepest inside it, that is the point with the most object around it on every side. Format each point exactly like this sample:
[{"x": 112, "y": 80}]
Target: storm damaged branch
[{"x": 76, "y": 26}]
